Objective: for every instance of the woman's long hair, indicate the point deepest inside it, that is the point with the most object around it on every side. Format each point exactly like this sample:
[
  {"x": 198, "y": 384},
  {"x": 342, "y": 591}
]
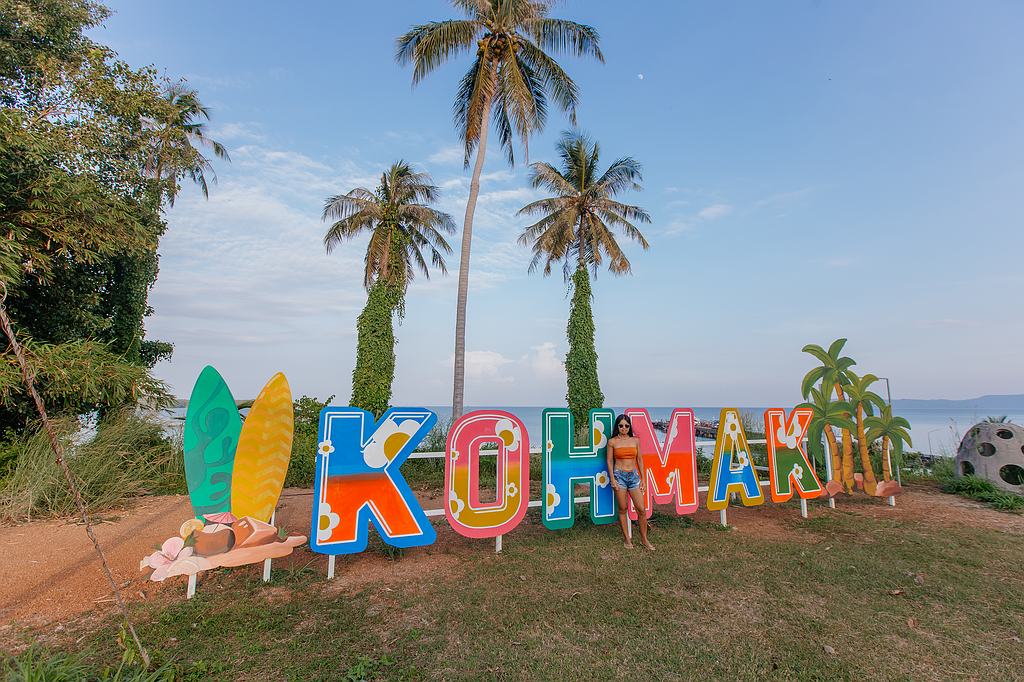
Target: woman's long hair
[{"x": 624, "y": 418}]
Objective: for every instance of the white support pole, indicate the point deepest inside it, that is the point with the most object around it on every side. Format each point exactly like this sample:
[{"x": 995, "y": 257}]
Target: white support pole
[
  {"x": 266, "y": 562},
  {"x": 629, "y": 527},
  {"x": 828, "y": 467},
  {"x": 892, "y": 501},
  {"x": 497, "y": 544},
  {"x": 803, "y": 507},
  {"x": 722, "y": 518},
  {"x": 330, "y": 567},
  {"x": 190, "y": 591}
]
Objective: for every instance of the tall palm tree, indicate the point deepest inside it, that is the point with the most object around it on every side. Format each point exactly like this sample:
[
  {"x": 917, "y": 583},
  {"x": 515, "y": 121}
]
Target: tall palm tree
[
  {"x": 888, "y": 428},
  {"x": 577, "y": 228},
  {"x": 832, "y": 373},
  {"x": 402, "y": 226},
  {"x": 828, "y": 413},
  {"x": 179, "y": 132},
  {"x": 508, "y": 85},
  {"x": 863, "y": 401}
]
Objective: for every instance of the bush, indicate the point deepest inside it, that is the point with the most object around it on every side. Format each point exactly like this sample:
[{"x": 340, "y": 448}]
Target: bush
[
  {"x": 127, "y": 457},
  {"x": 984, "y": 491},
  {"x": 302, "y": 467}
]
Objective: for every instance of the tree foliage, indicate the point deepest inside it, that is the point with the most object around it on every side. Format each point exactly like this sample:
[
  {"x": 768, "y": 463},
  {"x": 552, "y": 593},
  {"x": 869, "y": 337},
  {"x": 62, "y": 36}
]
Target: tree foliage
[
  {"x": 508, "y": 85},
  {"x": 577, "y": 224},
  {"x": 76, "y": 377},
  {"x": 80, "y": 204},
  {"x": 577, "y": 227},
  {"x": 375, "y": 352},
  {"x": 513, "y": 75},
  {"x": 584, "y": 387},
  {"x": 402, "y": 225}
]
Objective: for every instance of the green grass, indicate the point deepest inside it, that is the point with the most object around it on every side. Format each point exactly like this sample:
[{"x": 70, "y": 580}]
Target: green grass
[
  {"x": 839, "y": 596},
  {"x": 127, "y": 457}
]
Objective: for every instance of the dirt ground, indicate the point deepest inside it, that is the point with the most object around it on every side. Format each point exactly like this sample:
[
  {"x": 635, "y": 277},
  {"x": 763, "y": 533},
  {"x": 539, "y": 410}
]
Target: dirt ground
[{"x": 51, "y": 574}]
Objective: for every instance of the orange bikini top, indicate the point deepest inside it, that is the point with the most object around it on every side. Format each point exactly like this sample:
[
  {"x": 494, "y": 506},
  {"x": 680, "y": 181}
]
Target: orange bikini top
[{"x": 625, "y": 453}]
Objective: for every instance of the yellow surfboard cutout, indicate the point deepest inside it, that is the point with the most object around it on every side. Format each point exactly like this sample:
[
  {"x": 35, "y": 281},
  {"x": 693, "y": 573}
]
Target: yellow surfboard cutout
[{"x": 264, "y": 450}]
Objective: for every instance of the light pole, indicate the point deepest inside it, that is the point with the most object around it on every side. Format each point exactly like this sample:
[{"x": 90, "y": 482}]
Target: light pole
[
  {"x": 888, "y": 399},
  {"x": 888, "y": 394}
]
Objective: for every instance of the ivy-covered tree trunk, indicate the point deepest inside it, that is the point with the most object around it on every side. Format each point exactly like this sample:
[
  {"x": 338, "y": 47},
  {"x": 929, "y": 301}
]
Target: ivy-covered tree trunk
[
  {"x": 375, "y": 350},
  {"x": 584, "y": 389}
]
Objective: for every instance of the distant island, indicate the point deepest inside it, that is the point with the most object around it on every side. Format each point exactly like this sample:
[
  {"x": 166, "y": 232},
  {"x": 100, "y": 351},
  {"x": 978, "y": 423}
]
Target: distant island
[{"x": 987, "y": 402}]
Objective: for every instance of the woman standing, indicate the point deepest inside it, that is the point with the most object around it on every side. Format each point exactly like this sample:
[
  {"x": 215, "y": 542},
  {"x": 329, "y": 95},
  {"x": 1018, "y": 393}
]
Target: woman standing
[{"x": 628, "y": 477}]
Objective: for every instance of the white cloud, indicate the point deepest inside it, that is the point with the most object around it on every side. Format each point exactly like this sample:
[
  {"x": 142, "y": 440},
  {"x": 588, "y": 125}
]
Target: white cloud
[
  {"x": 545, "y": 362},
  {"x": 714, "y": 211},
  {"x": 687, "y": 222},
  {"x": 486, "y": 366},
  {"x": 447, "y": 155},
  {"x": 678, "y": 226},
  {"x": 237, "y": 131}
]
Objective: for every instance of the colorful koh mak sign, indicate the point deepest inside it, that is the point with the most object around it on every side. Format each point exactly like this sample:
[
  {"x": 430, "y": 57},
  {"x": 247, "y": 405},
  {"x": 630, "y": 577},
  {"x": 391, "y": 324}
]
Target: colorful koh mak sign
[
  {"x": 505, "y": 434},
  {"x": 236, "y": 469},
  {"x": 358, "y": 481}
]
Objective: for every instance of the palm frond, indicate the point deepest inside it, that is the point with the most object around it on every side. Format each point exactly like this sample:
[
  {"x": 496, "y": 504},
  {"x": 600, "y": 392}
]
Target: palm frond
[
  {"x": 476, "y": 92},
  {"x": 427, "y": 46},
  {"x": 563, "y": 35},
  {"x": 623, "y": 174}
]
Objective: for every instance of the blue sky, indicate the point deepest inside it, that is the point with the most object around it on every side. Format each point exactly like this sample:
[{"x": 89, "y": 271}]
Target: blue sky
[{"x": 814, "y": 169}]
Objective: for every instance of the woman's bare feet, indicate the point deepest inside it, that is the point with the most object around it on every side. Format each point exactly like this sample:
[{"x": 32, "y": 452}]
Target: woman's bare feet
[
  {"x": 627, "y": 544},
  {"x": 649, "y": 546}
]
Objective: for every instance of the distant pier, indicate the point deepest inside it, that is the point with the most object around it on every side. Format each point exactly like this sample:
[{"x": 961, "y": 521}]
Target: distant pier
[{"x": 701, "y": 429}]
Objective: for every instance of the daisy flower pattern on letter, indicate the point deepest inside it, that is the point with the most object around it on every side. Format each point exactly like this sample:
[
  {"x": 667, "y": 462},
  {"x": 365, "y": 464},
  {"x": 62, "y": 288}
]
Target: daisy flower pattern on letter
[
  {"x": 732, "y": 426},
  {"x": 508, "y": 433},
  {"x": 798, "y": 471},
  {"x": 327, "y": 521},
  {"x": 788, "y": 438},
  {"x": 325, "y": 448},
  {"x": 552, "y": 498},
  {"x": 742, "y": 460},
  {"x": 511, "y": 490},
  {"x": 600, "y": 440},
  {"x": 602, "y": 479},
  {"x": 387, "y": 441},
  {"x": 456, "y": 504}
]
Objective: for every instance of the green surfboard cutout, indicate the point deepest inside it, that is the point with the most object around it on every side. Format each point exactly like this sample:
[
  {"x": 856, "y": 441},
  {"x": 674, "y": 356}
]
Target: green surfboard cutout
[{"x": 212, "y": 427}]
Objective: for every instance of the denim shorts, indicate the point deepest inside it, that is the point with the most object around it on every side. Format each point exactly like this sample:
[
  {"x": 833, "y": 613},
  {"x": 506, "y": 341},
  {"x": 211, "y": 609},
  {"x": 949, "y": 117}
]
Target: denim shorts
[{"x": 627, "y": 480}]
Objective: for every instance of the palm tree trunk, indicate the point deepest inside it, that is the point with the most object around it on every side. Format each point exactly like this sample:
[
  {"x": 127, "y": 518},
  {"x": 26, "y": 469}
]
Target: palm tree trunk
[
  {"x": 865, "y": 458},
  {"x": 886, "y": 464},
  {"x": 833, "y": 448},
  {"x": 459, "y": 390},
  {"x": 847, "y": 479}
]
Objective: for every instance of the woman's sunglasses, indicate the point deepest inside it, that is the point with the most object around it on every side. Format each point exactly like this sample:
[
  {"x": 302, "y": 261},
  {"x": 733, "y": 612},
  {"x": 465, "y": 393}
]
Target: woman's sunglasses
[{"x": 623, "y": 425}]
